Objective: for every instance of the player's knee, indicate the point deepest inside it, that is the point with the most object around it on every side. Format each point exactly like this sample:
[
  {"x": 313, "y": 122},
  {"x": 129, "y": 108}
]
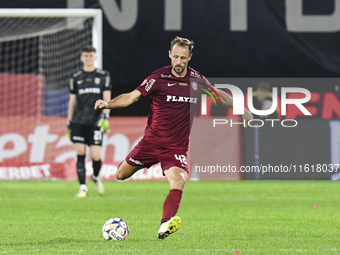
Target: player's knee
[
  {"x": 80, "y": 151},
  {"x": 178, "y": 182},
  {"x": 96, "y": 158},
  {"x": 119, "y": 175},
  {"x": 181, "y": 181}
]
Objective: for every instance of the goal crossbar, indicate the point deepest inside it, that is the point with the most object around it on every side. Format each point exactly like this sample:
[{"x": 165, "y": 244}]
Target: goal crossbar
[{"x": 96, "y": 14}]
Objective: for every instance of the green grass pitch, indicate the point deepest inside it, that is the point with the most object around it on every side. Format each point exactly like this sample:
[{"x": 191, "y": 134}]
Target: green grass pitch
[{"x": 218, "y": 217}]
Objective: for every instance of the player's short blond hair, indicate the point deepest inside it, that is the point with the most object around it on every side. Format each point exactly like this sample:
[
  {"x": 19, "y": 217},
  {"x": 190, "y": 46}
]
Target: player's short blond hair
[{"x": 184, "y": 42}]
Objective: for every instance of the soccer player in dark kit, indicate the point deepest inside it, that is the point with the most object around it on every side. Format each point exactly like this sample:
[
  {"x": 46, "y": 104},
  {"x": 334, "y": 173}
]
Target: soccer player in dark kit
[
  {"x": 85, "y": 125},
  {"x": 174, "y": 95}
]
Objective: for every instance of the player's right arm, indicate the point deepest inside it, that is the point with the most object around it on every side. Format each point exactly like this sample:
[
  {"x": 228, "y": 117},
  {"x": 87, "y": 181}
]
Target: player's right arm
[
  {"x": 120, "y": 101},
  {"x": 71, "y": 103},
  {"x": 73, "y": 96}
]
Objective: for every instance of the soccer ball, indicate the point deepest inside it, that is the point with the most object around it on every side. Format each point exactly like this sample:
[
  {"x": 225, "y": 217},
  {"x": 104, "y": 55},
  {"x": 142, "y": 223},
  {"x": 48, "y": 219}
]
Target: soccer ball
[{"x": 115, "y": 229}]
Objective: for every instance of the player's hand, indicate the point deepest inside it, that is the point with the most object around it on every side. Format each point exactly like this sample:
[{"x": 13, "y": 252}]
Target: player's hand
[
  {"x": 68, "y": 131},
  {"x": 247, "y": 117},
  {"x": 100, "y": 104},
  {"x": 104, "y": 124}
]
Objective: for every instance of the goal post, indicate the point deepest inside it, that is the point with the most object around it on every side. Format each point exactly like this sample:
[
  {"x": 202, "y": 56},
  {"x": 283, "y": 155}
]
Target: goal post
[
  {"x": 96, "y": 14},
  {"x": 39, "y": 51}
]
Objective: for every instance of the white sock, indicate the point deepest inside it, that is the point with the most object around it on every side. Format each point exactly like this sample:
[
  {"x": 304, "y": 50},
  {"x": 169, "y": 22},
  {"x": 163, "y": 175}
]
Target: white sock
[
  {"x": 95, "y": 178},
  {"x": 83, "y": 187}
]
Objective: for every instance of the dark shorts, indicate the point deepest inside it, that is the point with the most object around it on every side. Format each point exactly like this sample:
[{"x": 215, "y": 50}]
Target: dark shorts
[
  {"x": 87, "y": 134},
  {"x": 146, "y": 155}
]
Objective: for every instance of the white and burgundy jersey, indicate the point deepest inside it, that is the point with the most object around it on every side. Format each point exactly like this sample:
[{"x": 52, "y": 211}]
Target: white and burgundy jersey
[{"x": 173, "y": 104}]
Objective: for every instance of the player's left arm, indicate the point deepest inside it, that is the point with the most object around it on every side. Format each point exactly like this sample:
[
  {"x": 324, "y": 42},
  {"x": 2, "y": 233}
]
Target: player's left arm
[{"x": 227, "y": 101}]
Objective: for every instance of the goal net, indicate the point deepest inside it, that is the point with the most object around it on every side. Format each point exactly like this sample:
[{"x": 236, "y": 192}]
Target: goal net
[{"x": 39, "y": 50}]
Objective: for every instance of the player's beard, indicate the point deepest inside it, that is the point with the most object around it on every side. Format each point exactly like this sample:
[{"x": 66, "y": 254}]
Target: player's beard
[{"x": 179, "y": 69}]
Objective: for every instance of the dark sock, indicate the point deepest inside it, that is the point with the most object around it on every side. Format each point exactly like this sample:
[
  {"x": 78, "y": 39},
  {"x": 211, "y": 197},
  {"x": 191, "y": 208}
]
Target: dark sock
[
  {"x": 171, "y": 204},
  {"x": 81, "y": 169},
  {"x": 96, "y": 167}
]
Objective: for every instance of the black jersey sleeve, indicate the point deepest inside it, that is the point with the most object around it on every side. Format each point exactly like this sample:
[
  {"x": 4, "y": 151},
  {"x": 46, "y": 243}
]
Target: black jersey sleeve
[{"x": 73, "y": 84}]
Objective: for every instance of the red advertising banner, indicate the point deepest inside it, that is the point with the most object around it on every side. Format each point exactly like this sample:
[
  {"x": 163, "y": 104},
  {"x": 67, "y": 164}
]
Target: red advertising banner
[
  {"x": 43, "y": 140},
  {"x": 38, "y": 148},
  {"x": 21, "y": 94},
  {"x": 68, "y": 171}
]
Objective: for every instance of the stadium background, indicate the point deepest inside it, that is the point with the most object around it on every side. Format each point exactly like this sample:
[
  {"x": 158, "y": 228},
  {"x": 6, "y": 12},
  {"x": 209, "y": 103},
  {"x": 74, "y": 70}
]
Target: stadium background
[{"x": 233, "y": 39}]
